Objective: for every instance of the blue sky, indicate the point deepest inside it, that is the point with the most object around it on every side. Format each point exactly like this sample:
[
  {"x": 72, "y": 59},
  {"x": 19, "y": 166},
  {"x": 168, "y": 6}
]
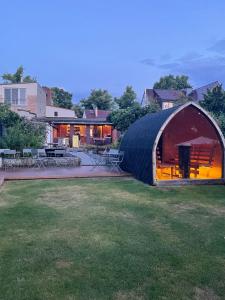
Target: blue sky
[{"x": 84, "y": 44}]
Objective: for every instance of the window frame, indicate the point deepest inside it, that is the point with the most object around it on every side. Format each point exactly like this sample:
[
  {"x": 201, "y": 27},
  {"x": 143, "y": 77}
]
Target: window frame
[{"x": 16, "y": 96}]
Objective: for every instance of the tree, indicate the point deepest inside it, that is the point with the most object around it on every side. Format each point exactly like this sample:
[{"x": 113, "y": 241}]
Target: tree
[
  {"x": 18, "y": 132},
  {"x": 18, "y": 77},
  {"x": 25, "y": 134},
  {"x": 214, "y": 101},
  {"x": 7, "y": 117},
  {"x": 62, "y": 98},
  {"x": 172, "y": 82},
  {"x": 221, "y": 122},
  {"x": 98, "y": 98},
  {"x": 78, "y": 110},
  {"x": 127, "y": 99},
  {"x": 150, "y": 109},
  {"x": 123, "y": 118}
]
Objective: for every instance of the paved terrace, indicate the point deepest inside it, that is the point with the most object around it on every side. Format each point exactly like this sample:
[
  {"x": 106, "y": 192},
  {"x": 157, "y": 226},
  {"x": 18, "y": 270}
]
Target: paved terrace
[{"x": 59, "y": 173}]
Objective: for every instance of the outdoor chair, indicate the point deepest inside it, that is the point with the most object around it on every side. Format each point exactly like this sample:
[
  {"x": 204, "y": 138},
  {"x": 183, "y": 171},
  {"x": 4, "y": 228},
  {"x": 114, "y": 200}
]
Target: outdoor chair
[
  {"x": 27, "y": 152},
  {"x": 115, "y": 160},
  {"x": 39, "y": 158},
  {"x": 97, "y": 160}
]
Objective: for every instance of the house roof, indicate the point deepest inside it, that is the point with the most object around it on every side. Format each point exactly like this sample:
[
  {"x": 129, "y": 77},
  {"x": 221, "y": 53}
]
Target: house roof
[
  {"x": 101, "y": 114},
  {"x": 172, "y": 95},
  {"x": 78, "y": 121},
  {"x": 200, "y": 92},
  {"x": 57, "y": 107}
]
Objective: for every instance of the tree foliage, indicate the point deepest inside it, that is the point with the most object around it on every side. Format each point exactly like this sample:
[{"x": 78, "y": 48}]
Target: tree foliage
[
  {"x": 62, "y": 98},
  {"x": 123, "y": 118},
  {"x": 221, "y": 122},
  {"x": 172, "y": 82},
  {"x": 20, "y": 133},
  {"x": 25, "y": 134},
  {"x": 18, "y": 76},
  {"x": 127, "y": 99},
  {"x": 7, "y": 117},
  {"x": 214, "y": 102},
  {"x": 78, "y": 110},
  {"x": 98, "y": 98}
]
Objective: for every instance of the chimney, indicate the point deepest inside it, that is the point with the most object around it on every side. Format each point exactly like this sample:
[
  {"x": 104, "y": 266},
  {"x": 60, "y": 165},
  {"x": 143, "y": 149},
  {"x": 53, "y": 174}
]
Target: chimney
[{"x": 96, "y": 111}]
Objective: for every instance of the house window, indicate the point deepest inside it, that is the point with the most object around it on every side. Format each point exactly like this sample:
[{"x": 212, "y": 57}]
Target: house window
[
  {"x": 15, "y": 96},
  {"x": 55, "y": 114},
  {"x": 166, "y": 105},
  {"x": 7, "y": 96}
]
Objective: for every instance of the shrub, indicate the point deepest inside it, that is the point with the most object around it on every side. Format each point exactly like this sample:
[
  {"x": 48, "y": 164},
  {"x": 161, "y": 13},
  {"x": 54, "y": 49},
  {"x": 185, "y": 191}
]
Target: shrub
[{"x": 20, "y": 133}]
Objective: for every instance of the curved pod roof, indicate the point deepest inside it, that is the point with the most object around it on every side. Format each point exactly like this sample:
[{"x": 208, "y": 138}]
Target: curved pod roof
[{"x": 142, "y": 137}]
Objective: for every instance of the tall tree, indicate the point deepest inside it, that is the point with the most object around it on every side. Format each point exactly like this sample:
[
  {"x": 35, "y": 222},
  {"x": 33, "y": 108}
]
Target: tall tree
[
  {"x": 18, "y": 76},
  {"x": 123, "y": 118},
  {"x": 127, "y": 99},
  {"x": 98, "y": 98},
  {"x": 62, "y": 98},
  {"x": 78, "y": 110},
  {"x": 214, "y": 101},
  {"x": 172, "y": 82}
]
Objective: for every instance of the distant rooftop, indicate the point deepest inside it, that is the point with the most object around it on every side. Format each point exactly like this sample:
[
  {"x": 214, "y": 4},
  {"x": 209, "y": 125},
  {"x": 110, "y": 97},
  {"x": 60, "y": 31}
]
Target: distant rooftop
[
  {"x": 200, "y": 92},
  {"x": 169, "y": 94},
  {"x": 173, "y": 95}
]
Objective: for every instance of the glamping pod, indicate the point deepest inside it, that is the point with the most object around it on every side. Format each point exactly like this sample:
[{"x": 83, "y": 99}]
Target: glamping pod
[{"x": 180, "y": 145}]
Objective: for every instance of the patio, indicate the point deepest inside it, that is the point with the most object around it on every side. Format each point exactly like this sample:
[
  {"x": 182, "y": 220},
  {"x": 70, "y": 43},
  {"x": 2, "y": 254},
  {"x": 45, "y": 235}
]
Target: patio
[
  {"x": 84, "y": 165},
  {"x": 56, "y": 173}
]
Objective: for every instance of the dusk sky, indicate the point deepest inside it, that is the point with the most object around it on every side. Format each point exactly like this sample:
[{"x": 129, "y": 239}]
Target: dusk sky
[{"x": 81, "y": 45}]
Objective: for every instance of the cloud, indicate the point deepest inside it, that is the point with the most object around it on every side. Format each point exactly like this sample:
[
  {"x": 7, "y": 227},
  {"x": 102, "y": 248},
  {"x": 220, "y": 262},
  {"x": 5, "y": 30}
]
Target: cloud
[
  {"x": 218, "y": 47},
  {"x": 201, "y": 69},
  {"x": 165, "y": 57},
  {"x": 190, "y": 57},
  {"x": 169, "y": 66},
  {"x": 148, "y": 61}
]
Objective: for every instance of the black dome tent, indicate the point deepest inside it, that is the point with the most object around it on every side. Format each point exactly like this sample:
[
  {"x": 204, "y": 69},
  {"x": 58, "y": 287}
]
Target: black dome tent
[{"x": 182, "y": 144}]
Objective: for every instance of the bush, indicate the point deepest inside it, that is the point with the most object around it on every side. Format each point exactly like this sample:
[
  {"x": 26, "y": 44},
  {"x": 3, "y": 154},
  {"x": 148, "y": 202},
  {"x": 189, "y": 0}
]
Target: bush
[{"x": 18, "y": 132}]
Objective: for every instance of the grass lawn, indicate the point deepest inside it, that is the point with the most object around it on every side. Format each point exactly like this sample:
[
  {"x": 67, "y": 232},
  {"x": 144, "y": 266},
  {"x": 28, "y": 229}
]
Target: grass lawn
[{"x": 111, "y": 239}]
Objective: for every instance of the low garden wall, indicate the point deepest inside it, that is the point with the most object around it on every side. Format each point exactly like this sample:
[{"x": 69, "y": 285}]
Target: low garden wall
[{"x": 30, "y": 162}]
